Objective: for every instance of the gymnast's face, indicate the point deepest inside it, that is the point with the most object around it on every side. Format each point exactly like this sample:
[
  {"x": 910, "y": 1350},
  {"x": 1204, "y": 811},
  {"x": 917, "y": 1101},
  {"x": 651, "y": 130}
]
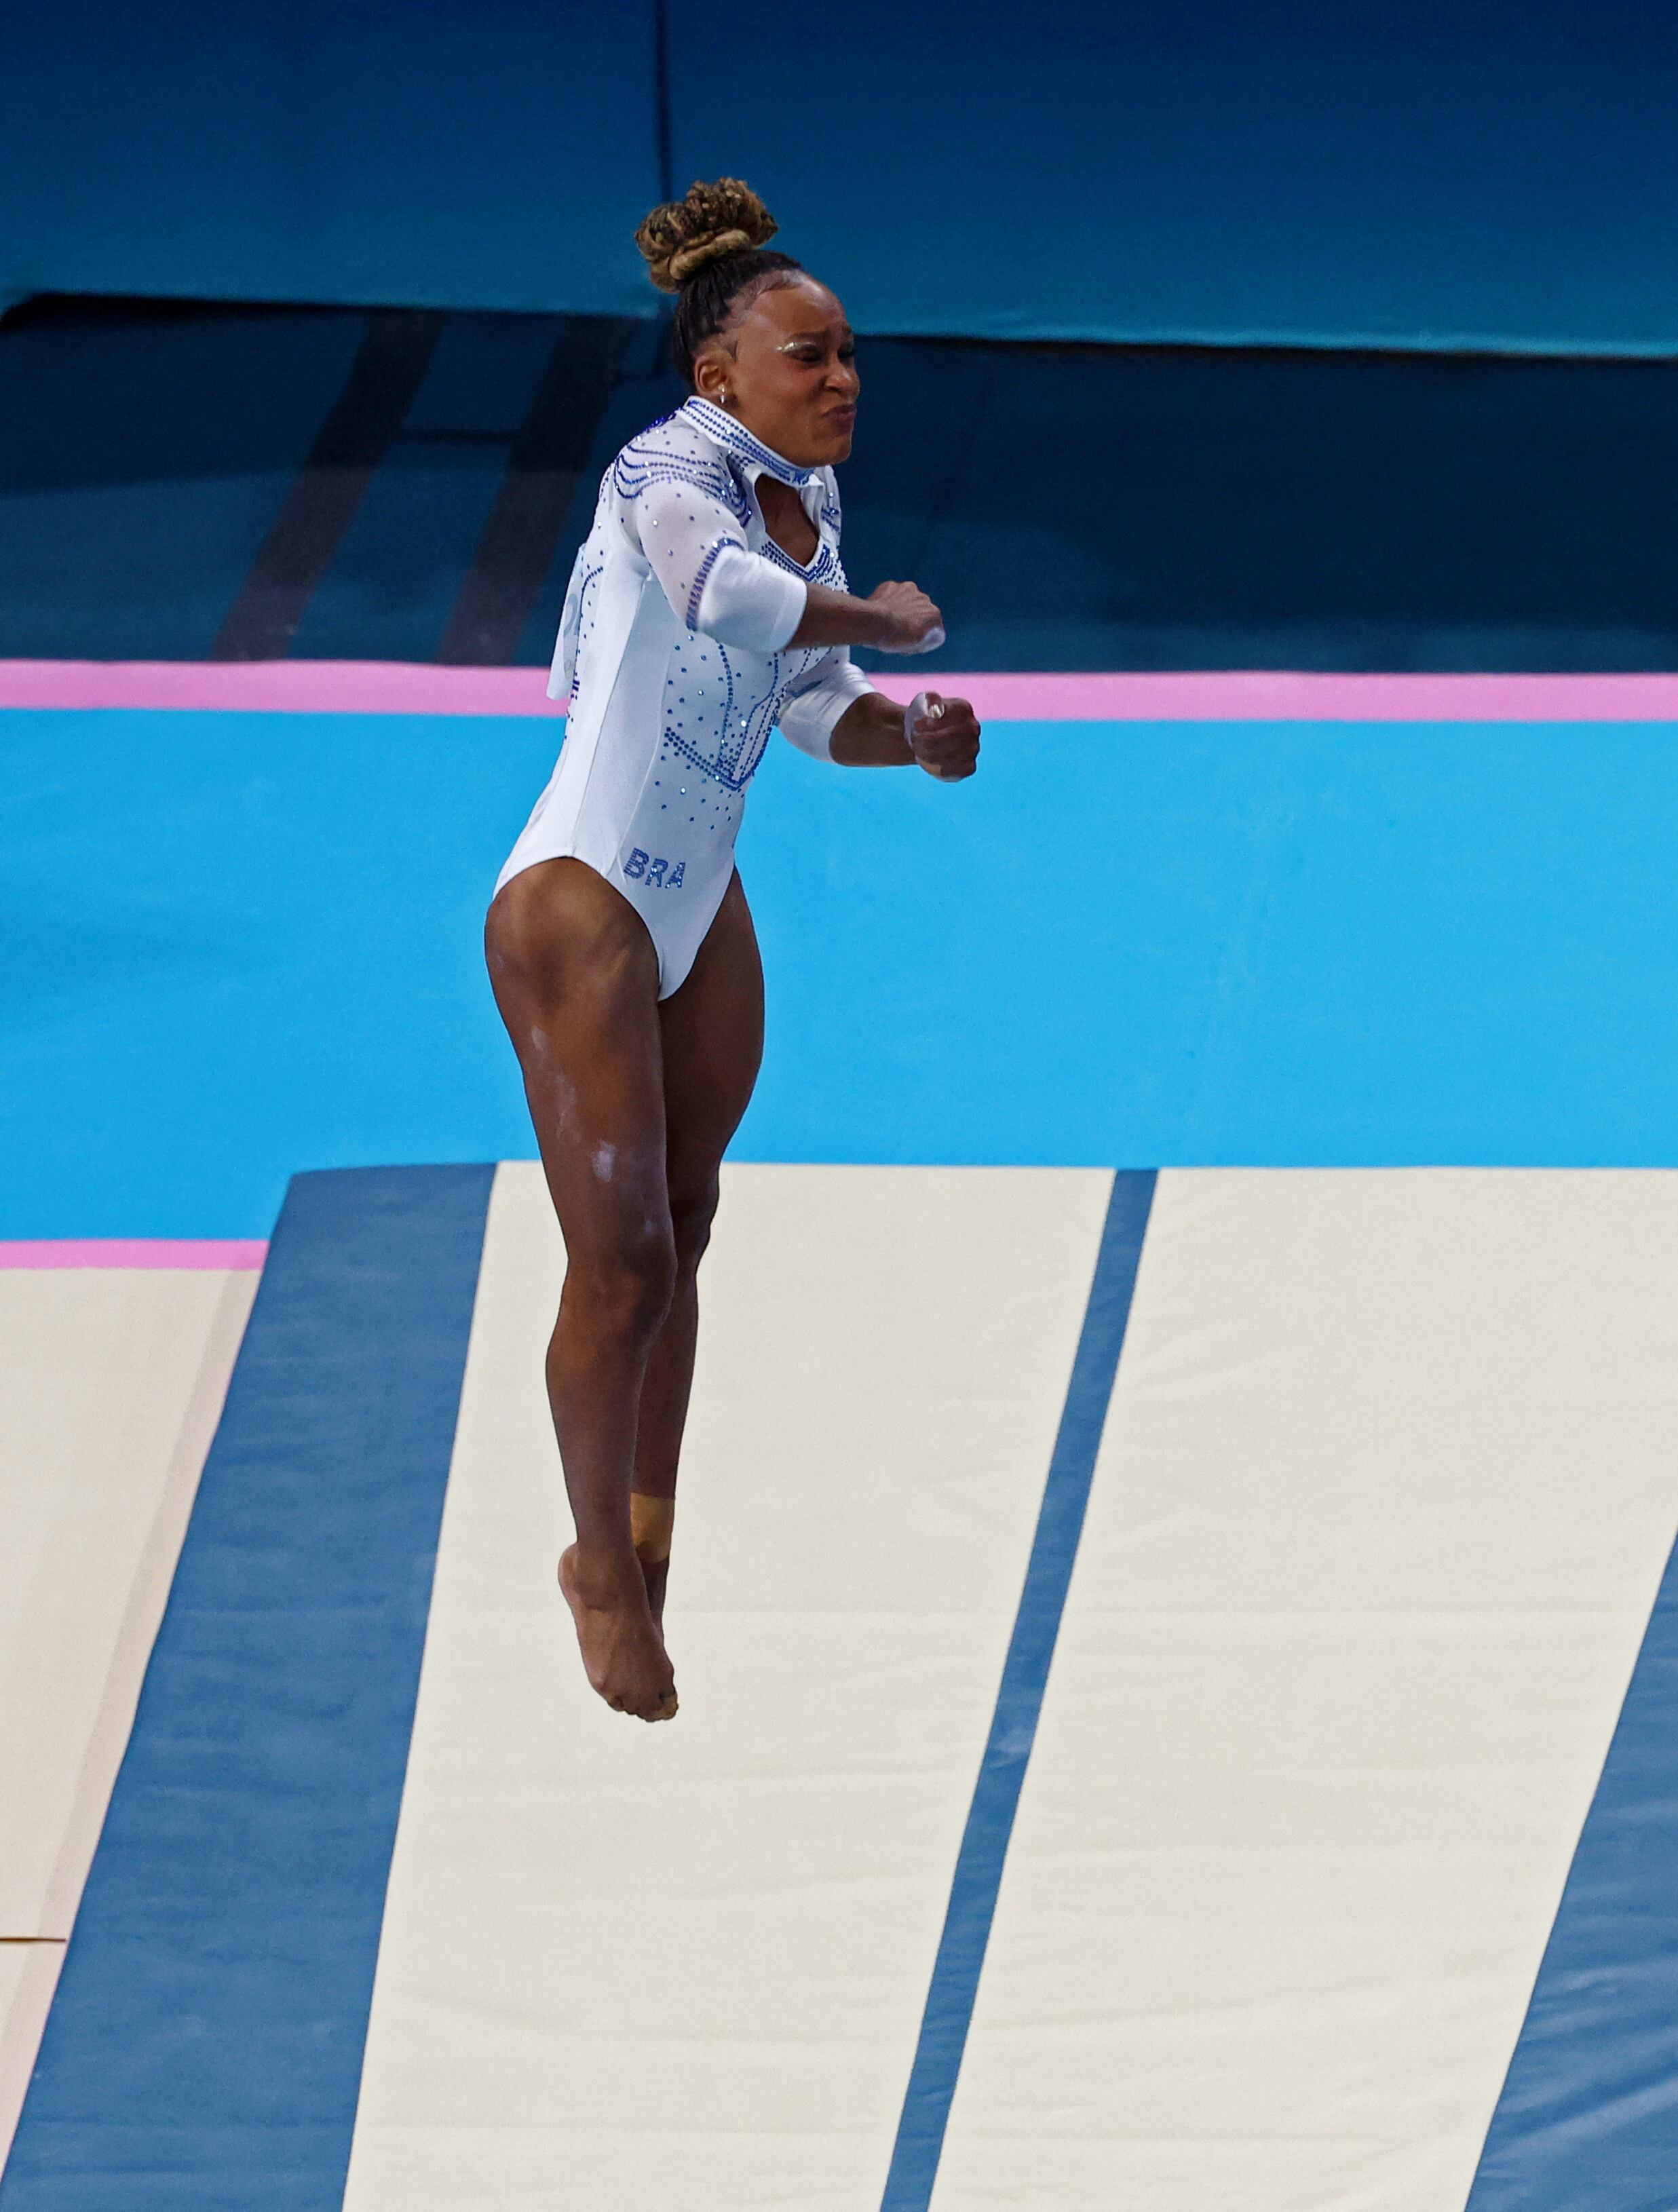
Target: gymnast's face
[{"x": 785, "y": 368}]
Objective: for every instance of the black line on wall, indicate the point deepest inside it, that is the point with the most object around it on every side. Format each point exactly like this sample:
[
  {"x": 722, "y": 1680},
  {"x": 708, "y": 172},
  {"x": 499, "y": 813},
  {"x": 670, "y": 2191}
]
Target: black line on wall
[
  {"x": 661, "y": 98},
  {"x": 520, "y": 535},
  {"x": 390, "y": 364}
]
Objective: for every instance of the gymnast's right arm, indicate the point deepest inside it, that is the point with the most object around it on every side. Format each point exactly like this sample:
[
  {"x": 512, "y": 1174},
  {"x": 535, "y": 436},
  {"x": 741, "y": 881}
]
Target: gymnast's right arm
[
  {"x": 696, "y": 548},
  {"x": 893, "y": 618}
]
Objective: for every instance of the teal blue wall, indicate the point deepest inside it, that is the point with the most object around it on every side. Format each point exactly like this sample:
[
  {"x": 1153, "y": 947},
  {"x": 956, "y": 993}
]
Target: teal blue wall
[{"x": 1420, "y": 173}]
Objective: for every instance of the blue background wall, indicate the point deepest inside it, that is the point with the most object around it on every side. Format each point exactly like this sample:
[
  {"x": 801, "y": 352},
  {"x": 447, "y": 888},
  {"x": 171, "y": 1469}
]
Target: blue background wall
[
  {"x": 488, "y": 151},
  {"x": 1418, "y": 173}
]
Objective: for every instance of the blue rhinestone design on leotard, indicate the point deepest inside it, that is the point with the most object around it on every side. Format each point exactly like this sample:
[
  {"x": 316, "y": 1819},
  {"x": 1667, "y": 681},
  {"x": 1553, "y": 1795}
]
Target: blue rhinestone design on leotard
[{"x": 720, "y": 706}]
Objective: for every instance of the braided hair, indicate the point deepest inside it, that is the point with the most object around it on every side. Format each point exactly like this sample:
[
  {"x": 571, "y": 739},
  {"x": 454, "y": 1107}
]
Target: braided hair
[{"x": 708, "y": 249}]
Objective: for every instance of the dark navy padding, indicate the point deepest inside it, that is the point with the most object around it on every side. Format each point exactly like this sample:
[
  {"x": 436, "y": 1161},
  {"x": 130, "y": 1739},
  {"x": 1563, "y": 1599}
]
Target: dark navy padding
[
  {"x": 352, "y": 443},
  {"x": 1587, "y": 2120},
  {"x": 990, "y": 1819},
  {"x": 204, "y": 2049},
  {"x": 1225, "y": 509},
  {"x": 1208, "y": 508},
  {"x": 144, "y": 455},
  {"x": 387, "y": 593}
]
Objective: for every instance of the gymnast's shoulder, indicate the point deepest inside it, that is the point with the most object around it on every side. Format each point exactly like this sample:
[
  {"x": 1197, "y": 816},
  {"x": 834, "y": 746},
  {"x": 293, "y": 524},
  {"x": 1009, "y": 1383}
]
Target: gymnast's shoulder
[{"x": 674, "y": 450}]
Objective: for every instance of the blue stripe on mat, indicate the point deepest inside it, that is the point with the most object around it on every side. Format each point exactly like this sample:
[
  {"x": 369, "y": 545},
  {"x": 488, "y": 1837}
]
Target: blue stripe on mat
[
  {"x": 205, "y": 2046},
  {"x": 990, "y": 1819},
  {"x": 1587, "y": 2120}
]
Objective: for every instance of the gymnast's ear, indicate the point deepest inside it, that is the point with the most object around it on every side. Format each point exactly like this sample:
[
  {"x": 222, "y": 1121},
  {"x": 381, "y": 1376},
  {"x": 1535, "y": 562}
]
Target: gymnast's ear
[{"x": 710, "y": 374}]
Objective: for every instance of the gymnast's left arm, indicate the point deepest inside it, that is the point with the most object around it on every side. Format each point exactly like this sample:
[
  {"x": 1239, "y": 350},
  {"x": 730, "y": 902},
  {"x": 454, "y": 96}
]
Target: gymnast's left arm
[
  {"x": 937, "y": 734},
  {"x": 836, "y": 714}
]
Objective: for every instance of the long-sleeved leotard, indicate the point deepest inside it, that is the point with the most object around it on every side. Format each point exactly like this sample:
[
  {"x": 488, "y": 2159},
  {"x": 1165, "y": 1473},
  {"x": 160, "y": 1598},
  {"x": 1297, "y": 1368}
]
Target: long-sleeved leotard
[{"x": 673, "y": 657}]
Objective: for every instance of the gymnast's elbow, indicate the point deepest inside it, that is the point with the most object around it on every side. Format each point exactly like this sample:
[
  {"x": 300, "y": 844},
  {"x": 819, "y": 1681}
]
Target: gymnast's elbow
[{"x": 747, "y": 604}]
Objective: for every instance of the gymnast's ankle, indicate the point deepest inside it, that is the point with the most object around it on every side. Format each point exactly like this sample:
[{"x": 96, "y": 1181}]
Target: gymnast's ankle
[{"x": 605, "y": 1575}]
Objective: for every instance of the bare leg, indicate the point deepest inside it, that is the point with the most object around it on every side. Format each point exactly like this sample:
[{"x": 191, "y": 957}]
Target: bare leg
[
  {"x": 576, "y": 978},
  {"x": 713, "y": 1039}
]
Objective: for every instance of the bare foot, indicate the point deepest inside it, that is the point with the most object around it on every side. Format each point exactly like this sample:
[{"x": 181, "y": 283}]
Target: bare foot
[{"x": 623, "y": 1652}]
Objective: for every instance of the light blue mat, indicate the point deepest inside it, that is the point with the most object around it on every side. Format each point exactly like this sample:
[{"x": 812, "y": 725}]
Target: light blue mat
[{"x": 238, "y": 945}]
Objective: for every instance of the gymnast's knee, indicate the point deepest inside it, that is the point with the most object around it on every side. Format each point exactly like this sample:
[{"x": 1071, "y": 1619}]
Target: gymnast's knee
[
  {"x": 690, "y": 1228},
  {"x": 624, "y": 1290}
]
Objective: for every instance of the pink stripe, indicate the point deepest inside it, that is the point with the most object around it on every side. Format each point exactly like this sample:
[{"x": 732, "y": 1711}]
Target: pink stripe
[
  {"x": 230, "y": 1253},
  {"x": 390, "y": 687},
  {"x": 1268, "y": 695},
  {"x": 286, "y": 687}
]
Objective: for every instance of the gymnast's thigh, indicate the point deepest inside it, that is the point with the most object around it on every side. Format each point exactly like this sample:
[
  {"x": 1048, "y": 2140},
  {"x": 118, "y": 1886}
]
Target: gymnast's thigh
[{"x": 713, "y": 1040}]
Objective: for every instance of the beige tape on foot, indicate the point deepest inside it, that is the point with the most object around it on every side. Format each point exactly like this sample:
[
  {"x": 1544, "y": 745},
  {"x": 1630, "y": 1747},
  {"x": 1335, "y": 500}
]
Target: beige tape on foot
[{"x": 651, "y": 1524}]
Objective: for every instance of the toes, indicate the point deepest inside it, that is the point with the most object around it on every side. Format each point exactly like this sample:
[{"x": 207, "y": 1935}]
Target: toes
[{"x": 660, "y": 1706}]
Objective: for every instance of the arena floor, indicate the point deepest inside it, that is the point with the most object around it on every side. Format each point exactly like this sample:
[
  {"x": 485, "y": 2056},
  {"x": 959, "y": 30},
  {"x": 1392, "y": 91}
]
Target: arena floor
[
  {"x": 1172, "y": 1606},
  {"x": 1375, "y": 1526}
]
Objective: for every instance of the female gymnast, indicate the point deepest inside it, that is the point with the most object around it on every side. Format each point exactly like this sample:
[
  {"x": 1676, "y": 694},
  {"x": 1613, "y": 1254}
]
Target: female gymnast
[{"x": 707, "y": 607}]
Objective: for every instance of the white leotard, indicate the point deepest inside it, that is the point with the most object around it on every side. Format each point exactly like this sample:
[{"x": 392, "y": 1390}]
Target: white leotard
[{"x": 672, "y": 654}]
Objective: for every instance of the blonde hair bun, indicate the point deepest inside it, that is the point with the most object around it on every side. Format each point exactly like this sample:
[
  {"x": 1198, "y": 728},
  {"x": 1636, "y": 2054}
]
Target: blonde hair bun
[{"x": 679, "y": 238}]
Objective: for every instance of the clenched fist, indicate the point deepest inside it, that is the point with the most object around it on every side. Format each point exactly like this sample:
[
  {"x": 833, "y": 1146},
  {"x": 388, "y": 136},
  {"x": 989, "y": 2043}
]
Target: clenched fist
[
  {"x": 913, "y": 623},
  {"x": 943, "y": 734}
]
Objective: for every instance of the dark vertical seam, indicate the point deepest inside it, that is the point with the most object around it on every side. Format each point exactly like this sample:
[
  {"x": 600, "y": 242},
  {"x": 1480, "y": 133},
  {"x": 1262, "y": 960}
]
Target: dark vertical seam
[
  {"x": 521, "y": 533},
  {"x": 661, "y": 98},
  {"x": 389, "y": 366}
]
